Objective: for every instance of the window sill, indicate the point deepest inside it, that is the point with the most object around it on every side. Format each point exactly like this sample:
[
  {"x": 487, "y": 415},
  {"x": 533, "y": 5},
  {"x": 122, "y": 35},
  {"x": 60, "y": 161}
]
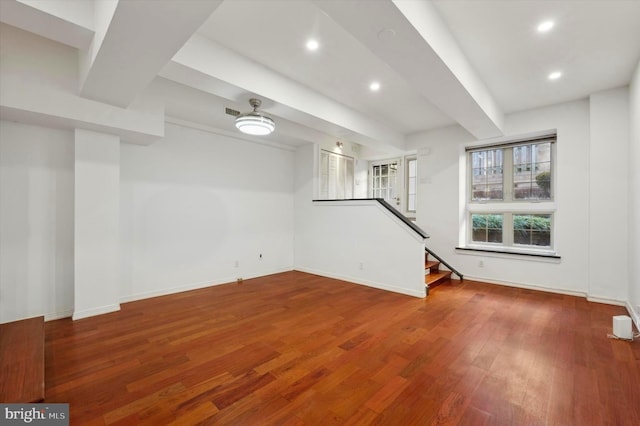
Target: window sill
[{"x": 508, "y": 254}]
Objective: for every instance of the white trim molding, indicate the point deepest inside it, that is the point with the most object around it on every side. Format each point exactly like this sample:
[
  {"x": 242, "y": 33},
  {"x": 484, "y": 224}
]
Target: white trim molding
[{"x": 77, "y": 315}]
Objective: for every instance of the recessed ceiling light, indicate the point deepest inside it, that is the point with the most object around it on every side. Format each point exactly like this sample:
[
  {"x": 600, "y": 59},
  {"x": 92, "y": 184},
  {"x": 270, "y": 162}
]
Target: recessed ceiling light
[
  {"x": 312, "y": 44},
  {"x": 545, "y": 26},
  {"x": 555, "y": 75},
  {"x": 374, "y": 86}
]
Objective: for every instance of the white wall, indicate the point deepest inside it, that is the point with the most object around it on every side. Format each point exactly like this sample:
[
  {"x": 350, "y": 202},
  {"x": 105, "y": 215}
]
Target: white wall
[
  {"x": 194, "y": 203},
  {"x": 441, "y": 159},
  {"x": 357, "y": 241},
  {"x": 608, "y": 190},
  {"x": 190, "y": 206},
  {"x": 96, "y": 223},
  {"x": 634, "y": 198},
  {"x": 36, "y": 222}
]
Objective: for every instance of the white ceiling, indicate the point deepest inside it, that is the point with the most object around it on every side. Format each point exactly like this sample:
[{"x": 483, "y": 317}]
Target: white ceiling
[
  {"x": 274, "y": 34},
  {"x": 596, "y": 44},
  {"x": 438, "y": 62}
]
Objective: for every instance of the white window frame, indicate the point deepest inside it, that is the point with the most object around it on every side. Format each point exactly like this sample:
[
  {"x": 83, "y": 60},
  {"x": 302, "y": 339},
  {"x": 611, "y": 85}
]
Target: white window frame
[
  {"x": 508, "y": 206},
  {"x": 398, "y": 190},
  {"x": 408, "y": 160}
]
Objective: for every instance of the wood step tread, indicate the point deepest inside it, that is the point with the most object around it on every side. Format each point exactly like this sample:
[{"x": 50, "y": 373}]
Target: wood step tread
[
  {"x": 436, "y": 278},
  {"x": 430, "y": 264},
  {"x": 22, "y": 361}
]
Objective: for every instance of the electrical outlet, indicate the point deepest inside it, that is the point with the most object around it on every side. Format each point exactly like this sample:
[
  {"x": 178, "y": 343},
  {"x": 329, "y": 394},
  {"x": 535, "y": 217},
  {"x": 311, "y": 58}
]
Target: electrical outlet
[
  {"x": 481, "y": 263},
  {"x": 361, "y": 266},
  {"x": 237, "y": 264}
]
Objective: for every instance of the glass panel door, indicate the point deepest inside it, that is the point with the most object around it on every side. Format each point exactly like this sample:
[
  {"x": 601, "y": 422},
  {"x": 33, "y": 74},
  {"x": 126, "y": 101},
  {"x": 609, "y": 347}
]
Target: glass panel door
[{"x": 384, "y": 181}]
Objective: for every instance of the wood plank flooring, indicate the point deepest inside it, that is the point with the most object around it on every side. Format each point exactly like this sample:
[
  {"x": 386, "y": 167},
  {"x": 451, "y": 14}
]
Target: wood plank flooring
[
  {"x": 22, "y": 361},
  {"x": 298, "y": 349}
]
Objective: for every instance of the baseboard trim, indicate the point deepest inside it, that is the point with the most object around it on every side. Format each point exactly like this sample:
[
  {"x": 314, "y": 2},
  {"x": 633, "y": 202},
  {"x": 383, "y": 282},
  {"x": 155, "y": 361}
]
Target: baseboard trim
[
  {"x": 77, "y": 315},
  {"x": 366, "y": 283},
  {"x": 172, "y": 290},
  {"x": 58, "y": 315},
  {"x": 194, "y": 286},
  {"x": 607, "y": 301},
  {"x": 635, "y": 316},
  {"x": 527, "y": 286}
]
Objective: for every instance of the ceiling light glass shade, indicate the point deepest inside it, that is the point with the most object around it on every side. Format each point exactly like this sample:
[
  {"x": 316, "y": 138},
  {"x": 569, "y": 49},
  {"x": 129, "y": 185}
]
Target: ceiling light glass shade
[{"x": 254, "y": 123}]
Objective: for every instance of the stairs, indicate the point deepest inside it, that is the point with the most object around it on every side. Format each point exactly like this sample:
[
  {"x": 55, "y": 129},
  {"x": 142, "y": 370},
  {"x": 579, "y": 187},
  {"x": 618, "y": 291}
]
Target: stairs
[{"x": 433, "y": 276}]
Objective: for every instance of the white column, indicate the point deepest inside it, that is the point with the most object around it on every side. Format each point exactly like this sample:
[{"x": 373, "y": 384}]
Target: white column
[
  {"x": 608, "y": 195},
  {"x": 96, "y": 207}
]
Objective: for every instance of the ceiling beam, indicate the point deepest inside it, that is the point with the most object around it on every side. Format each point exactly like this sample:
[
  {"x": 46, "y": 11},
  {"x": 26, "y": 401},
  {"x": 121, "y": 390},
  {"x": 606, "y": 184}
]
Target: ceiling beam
[
  {"x": 125, "y": 55},
  {"x": 412, "y": 39},
  {"x": 58, "y": 24},
  {"x": 210, "y": 67}
]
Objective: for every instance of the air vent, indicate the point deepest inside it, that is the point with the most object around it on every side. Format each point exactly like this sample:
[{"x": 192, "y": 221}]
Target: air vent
[{"x": 232, "y": 112}]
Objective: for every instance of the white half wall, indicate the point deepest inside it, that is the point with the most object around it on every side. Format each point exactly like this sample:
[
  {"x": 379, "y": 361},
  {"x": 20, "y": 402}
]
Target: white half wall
[
  {"x": 96, "y": 219},
  {"x": 36, "y": 222},
  {"x": 358, "y": 241},
  {"x": 199, "y": 209}
]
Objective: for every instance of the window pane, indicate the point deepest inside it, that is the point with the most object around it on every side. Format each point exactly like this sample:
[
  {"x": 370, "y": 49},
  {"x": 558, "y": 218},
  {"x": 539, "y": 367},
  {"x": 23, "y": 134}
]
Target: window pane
[
  {"x": 486, "y": 228},
  {"x": 532, "y": 229},
  {"x": 412, "y": 183},
  {"x": 412, "y": 203},
  {"x": 486, "y": 175},
  {"x": 532, "y": 172},
  {"x": 412, "y": 168}
]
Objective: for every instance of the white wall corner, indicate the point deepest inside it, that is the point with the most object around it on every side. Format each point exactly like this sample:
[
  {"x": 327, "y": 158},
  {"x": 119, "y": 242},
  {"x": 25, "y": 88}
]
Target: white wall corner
[
  {"x": 634, "y": 314},
  {"x": 86, "y": 313}
]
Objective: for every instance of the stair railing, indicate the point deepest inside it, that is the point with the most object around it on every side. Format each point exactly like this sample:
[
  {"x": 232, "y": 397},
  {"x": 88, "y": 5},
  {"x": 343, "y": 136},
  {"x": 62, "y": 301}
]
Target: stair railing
[{"x": 451, "y": 268}]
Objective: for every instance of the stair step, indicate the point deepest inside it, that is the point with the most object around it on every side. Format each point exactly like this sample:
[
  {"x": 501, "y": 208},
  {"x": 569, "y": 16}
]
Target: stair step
[
  {"x": 436, "y": 278},
  {"x": 431, "y": 264}
]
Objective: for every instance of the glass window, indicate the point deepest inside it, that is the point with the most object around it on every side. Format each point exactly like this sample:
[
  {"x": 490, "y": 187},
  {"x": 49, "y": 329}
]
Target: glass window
[
  {"x": 486, "y": 175},
  {"x": 412, "y": 184},
  {"x": 532, "y": 172},
  {"x": 532, "y": 229},
  {"x": 510, "y": 195},
  {"x": 486, "y": 228}
]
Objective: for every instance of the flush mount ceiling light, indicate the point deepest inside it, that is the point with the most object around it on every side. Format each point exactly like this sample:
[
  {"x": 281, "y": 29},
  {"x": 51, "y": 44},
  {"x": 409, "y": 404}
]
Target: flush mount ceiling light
[
  {"x": 374, "y": 86},
  {"x": 254, "y": 122}
]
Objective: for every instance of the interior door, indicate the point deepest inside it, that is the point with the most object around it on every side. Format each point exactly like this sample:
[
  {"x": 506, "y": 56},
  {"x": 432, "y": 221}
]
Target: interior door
[{"x": 385, "y": 182}]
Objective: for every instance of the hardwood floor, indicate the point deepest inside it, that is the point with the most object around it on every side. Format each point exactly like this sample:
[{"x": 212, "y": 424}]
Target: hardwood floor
[
  {"x": 22, "y": 361},
  {"x": 298, "y": 349}
]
